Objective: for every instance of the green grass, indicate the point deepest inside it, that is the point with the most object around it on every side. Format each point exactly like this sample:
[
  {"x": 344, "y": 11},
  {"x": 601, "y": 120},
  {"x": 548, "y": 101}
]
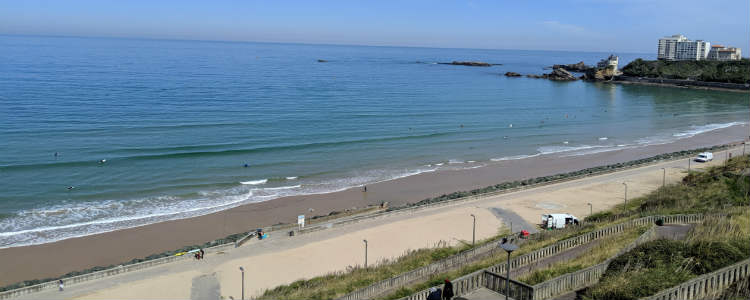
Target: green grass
[
  {"x": 604, "y": 249},
  {"x": 540, "y": 241}
]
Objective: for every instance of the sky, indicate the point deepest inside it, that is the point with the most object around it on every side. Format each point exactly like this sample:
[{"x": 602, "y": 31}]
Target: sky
[{"x": 572, "y": 25}]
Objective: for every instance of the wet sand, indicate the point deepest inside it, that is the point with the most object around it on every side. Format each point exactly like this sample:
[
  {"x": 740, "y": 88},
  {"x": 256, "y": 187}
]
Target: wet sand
[{"x": 54, "y": 259}]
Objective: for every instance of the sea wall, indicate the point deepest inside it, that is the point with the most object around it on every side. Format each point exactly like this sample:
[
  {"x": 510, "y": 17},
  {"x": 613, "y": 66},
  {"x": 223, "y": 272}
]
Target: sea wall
[{"x": 683, "y": 82}]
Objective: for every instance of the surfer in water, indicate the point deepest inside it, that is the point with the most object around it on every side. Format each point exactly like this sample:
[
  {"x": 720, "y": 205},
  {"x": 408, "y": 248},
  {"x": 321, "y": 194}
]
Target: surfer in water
[
  {"x": 71, "y": 188},
  {"x": 102, "y": 161}
]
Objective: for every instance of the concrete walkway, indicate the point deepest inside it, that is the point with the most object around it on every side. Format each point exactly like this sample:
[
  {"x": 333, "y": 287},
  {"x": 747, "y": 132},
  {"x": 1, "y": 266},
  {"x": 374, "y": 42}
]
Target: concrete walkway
[
  {"x": 481, "y": 294},
  {"x": 513, "y": 220}
]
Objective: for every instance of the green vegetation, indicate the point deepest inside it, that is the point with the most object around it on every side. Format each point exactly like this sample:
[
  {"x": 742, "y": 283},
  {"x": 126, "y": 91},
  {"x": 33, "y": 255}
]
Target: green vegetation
[
  {"x": 604, "y": 249},
  {"x": 340, "y": 283},
  {"x": 661, "y": 264},
  {"x": 703, "y": 70},
  {"x": 540, "y": 240}
]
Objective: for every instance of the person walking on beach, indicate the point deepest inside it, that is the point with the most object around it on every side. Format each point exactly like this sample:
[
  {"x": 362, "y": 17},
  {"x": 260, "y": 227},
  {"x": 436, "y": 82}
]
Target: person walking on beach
[
  {"x": 61, "y": 285},
  {"x": 202, "y": 253},
  {"x": 447, "y": 290}
]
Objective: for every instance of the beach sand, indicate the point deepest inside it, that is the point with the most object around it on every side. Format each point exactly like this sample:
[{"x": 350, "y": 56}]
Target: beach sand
[{"x": 54, "y": 259}]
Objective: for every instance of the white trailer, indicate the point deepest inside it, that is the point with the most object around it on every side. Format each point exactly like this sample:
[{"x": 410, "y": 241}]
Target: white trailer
[{"x": 553, "y": 221}]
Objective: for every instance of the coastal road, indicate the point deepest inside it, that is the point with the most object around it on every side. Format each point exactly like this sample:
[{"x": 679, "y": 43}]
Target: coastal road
[{"x": 282, "y": 259}]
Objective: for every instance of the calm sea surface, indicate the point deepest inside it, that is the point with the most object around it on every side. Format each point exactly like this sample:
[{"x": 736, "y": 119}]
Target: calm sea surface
[{"x": 177, "y": 121}]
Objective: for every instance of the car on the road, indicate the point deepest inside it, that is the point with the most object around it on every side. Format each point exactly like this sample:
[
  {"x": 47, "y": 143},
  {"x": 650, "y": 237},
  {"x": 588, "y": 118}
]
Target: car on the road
[{"x": 704, "y": 157}]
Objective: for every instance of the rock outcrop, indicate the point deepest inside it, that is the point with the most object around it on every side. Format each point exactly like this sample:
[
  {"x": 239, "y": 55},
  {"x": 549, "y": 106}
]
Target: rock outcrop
[
  {"x": 558, "y": 74},
  {"x": 468, "y": 63},
  {"x": 579, "y": 67},
  {"x": 512, "y": 74},
  {"x": 561, "y": 75}
]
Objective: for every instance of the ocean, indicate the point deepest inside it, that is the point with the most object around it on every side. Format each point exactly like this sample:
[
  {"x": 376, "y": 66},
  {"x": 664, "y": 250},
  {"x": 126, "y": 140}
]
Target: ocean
[{"x": 100, "y": 134}]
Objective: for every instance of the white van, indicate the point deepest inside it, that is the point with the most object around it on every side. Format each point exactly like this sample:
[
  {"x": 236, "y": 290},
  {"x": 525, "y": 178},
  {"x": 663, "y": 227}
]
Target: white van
[
  {"x": 552, "y": 221},
  {"x": 704, "y": 157}
]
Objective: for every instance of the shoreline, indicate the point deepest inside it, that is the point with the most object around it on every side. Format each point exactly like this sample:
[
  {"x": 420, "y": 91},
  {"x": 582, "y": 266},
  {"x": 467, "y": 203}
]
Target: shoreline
[
  {"x": 107, "y": 248},
  {"x": 685, "y": 84}
]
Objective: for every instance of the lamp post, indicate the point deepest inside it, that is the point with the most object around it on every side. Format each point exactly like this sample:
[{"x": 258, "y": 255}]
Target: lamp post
[
  {"x": 664, "y": 177},
  {"x": 473, "y": 230},
  {"x": 591, "y": 209},
  {"x": 365, "y": 253},
  {"x": 626, "y": 196},
  {"x": 508, "y": 247},
  {"x": 243, "y": 282}
]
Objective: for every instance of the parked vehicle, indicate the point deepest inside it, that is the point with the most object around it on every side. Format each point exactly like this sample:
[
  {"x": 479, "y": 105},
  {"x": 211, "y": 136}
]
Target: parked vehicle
[
  {"x": 704, "y": 157},
  {"x": 554, "y": 221}
]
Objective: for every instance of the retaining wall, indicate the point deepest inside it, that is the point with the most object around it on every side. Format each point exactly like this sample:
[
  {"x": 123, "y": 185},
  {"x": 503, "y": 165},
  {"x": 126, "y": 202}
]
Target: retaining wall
[{"x": 683, "y": 82}]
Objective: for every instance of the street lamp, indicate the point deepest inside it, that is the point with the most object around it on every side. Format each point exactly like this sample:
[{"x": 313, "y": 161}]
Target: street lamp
[
  {"x": 591, "y": 209},
  {"x": 508, "y": 247},
  {"x": 243, "y": 282},
  {"x": 626, "y": 195},
  {"x": 365, "y": 253},
  {"x": 664, "y": 177},
  {"x": 473, "y": 230}
]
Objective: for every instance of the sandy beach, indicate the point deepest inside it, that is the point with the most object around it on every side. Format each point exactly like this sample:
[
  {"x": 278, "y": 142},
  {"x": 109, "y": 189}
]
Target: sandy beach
[{"x": 54, "y": 259}]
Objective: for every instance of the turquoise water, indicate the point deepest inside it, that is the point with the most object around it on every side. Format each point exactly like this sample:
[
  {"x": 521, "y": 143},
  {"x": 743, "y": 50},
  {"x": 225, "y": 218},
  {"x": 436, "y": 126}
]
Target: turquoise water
[{"x": 176, "y": 121}]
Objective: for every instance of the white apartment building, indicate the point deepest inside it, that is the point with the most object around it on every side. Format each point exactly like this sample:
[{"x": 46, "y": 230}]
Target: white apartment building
[
  {"x": 719, "y": 52},
  {"x": 678, "y": 47}
]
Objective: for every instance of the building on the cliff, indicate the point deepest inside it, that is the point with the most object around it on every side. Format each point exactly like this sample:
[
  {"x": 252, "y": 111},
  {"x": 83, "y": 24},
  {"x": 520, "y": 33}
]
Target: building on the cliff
[
  {"x": 609, "y": 62},
  {"x": 678, "y": 47},
  {"x": 719, "y": 52}
]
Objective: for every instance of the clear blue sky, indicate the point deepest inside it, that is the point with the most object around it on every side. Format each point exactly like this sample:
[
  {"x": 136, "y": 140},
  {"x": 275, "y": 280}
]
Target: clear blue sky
[{"x": 587, "y": 25}]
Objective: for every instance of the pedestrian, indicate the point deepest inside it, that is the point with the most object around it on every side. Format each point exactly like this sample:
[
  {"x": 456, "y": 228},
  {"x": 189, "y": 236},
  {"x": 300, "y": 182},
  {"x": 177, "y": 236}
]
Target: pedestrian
[
  {"x": 434, "y": 294},
  {"x": 202, "y": 253},
  {"x": 61, "y": 285},
  {"x": 447, "y": 290}
]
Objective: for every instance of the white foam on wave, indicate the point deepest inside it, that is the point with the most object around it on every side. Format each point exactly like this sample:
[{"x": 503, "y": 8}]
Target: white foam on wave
[
  {"x": 560, "y": 149},
  {"x": 454, "y": 161},
  {"x": 514, "y": 157},
  {"x": 38, "y": 226},
  {"x": 279, "y": 188},
  {"x": 695, "y": 130},
  {"x": 255, "y": 182},
  {"x": 604, "y": 138},
  {"x": 439, "y": 164},
  {"x": 291, "y": 178}
]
